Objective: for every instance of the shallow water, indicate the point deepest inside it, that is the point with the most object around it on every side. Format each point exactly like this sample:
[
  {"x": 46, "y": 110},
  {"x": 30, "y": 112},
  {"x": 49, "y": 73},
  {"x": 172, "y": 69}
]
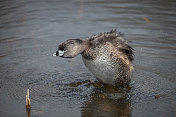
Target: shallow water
[{"x": 31, "y": 30}]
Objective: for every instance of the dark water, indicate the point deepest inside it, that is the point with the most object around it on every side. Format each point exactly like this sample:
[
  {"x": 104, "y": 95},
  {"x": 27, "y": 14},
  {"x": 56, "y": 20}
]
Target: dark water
[{"x": 30, "y": 31}]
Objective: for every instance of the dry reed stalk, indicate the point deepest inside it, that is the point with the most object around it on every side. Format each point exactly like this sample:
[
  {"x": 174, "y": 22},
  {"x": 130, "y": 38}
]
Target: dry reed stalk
[{"x": 28, "y": 105}]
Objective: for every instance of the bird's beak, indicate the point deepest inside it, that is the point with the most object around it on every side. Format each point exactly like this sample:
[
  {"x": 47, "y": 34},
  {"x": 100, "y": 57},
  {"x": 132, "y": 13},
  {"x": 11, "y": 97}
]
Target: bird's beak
[
  {"x": 55, "y": 54},
  {"x": 59, "y": 53}
]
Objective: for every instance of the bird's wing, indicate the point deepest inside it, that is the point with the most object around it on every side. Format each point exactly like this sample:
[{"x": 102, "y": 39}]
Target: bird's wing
[{"x": 116, "y": 38}]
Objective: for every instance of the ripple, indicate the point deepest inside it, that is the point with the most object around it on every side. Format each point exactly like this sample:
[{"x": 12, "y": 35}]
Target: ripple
[{"x": 31, "y": 31}]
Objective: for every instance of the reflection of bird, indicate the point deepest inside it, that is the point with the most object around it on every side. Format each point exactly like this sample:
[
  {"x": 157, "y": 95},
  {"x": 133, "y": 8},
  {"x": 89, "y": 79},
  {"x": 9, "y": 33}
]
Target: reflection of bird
[
  {"x": 107, "y": 55},
  {"x": 105, "y": 103}
]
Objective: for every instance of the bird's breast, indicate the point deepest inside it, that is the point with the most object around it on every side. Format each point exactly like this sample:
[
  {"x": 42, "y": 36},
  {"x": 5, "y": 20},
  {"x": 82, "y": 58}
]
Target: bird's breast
[{"x": 102, "y": 68}]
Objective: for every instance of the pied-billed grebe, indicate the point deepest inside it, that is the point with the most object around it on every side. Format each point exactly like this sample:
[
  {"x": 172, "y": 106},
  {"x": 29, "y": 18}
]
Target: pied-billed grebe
[{"x": 107, "y": 55}]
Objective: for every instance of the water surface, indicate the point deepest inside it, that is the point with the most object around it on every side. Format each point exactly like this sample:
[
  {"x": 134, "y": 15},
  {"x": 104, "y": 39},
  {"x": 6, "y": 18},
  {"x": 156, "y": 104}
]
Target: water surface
[{"x": 31, "y": 30}]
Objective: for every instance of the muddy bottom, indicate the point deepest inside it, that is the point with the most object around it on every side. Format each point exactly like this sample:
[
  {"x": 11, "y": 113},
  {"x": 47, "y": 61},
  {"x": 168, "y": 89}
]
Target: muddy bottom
[{"x": 31, "y": 30}]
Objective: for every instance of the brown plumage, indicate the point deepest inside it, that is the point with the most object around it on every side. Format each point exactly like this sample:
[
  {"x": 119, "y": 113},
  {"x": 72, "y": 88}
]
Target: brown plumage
[{"x": 107, "y": 55}]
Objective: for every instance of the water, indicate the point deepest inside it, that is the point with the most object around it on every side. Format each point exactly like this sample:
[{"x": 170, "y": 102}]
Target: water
[{"x": 31, "y": 30}]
